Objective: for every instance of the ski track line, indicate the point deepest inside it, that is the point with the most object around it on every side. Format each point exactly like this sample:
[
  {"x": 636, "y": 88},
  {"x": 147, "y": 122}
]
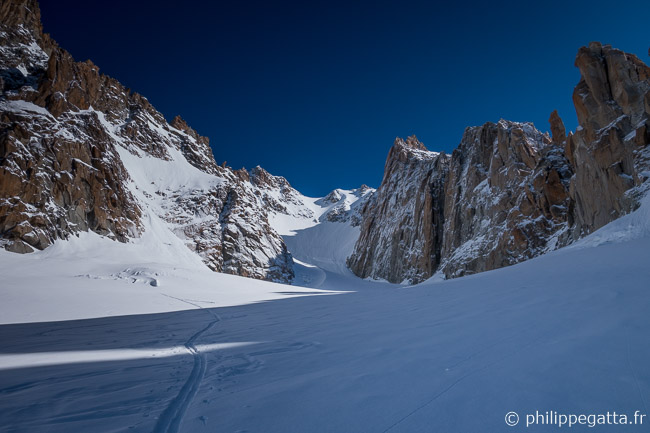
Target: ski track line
[{"x": 171, "y": 418}]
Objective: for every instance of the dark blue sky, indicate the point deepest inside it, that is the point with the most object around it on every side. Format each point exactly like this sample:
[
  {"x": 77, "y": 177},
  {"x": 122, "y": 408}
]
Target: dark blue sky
[{"x": 317, "y": 91}]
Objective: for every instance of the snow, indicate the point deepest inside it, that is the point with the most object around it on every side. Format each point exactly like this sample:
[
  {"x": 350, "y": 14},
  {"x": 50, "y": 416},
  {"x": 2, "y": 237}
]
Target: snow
[
  {"x": 423, "y": 154},
  {"x": 91, "y": 276},
  {"x": 17, "y": 53},
  {"x": 90, "y": 344},
  {"x": 325, "y": 238},
  {"x": 155, "y": 174},
  {"x": 24, "y": 107},
  {"x": 22, "y": 69},
  {"x": 611, "y": 125},
  {"x": 627, "y": 228},
  {"x": 310, "y": 212},
  {"x": 326, "y": 245},
  {"x": 48, "y": 359}
]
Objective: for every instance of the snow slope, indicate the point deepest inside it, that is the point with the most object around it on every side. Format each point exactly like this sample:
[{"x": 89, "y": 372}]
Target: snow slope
[
  {"x": 326, "y": 238},
  {"x": 198, "y": 351},
  {"x": 91, "y": 276}
]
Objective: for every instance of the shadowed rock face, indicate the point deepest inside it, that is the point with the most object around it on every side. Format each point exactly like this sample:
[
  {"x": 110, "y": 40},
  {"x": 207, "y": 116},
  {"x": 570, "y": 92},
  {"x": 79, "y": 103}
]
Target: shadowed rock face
[
  {"x": 401, "y": 230},
  {"x": 65, "y": 131},
  {"x": 510, "y": 192},
  {"x": 500, "y": 198}
]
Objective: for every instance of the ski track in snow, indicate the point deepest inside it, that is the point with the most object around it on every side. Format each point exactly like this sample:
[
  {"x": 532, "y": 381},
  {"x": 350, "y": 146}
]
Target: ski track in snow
[{"x": 172, "y": 417}]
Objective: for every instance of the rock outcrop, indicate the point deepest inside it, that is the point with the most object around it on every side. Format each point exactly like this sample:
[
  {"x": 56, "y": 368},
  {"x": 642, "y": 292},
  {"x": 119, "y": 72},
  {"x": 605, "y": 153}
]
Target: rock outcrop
[
  {"x": 79, "y": 152},
  {"x": 610, "y": 148},
  {"x": 401, "y": 231},
  {"x": 347, "y": 205},
  {"x": 506, "y": 198},
  {"x": 60, "y": 173},
  {"x": 511, "y": 193}
]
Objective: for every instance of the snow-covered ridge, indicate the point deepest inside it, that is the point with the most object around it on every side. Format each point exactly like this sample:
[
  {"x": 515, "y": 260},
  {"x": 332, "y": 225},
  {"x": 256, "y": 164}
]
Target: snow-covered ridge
[{"x": 156, "y": 177}]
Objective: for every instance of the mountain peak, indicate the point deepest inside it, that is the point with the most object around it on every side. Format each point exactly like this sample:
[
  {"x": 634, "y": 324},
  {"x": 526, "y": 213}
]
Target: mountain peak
[{"x": 410, "y": 142}]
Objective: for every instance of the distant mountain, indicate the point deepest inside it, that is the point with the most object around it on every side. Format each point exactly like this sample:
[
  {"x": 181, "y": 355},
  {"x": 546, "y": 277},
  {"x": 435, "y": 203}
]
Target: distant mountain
[{"x": 509, "y": 192}]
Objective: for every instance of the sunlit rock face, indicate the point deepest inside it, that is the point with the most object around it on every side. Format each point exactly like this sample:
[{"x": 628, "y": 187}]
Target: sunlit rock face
[
  {"x": 80, "y": 152},
  {"x": 610, "y": 149}
]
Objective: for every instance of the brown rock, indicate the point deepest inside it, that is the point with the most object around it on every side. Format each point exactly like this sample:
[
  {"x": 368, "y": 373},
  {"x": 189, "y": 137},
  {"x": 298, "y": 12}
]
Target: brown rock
[
  {"x": 511, "y": 193},
  {"x": 506, "y": 198},
  {"x": 611, "y": 100},
  {"x": 401, "y": 230},
  {"x": 558, "y": 131}
]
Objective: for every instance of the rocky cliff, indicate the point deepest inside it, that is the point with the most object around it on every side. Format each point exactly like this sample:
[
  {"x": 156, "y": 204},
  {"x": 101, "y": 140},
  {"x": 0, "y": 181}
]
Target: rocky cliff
[
  {"x": 59, "y": 171},
  {"x": 506, "y": 198},
  {"x": 401, "y": 230},
  {"x": 610, "y": 148},
  {"x": 79, "y": 152},
  {"x": 509, "y": 192}
]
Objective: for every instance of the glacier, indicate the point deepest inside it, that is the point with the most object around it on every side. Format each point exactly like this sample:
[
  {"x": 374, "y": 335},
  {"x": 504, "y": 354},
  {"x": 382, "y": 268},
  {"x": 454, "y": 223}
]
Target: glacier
[{"x": 104, "y": 336}]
